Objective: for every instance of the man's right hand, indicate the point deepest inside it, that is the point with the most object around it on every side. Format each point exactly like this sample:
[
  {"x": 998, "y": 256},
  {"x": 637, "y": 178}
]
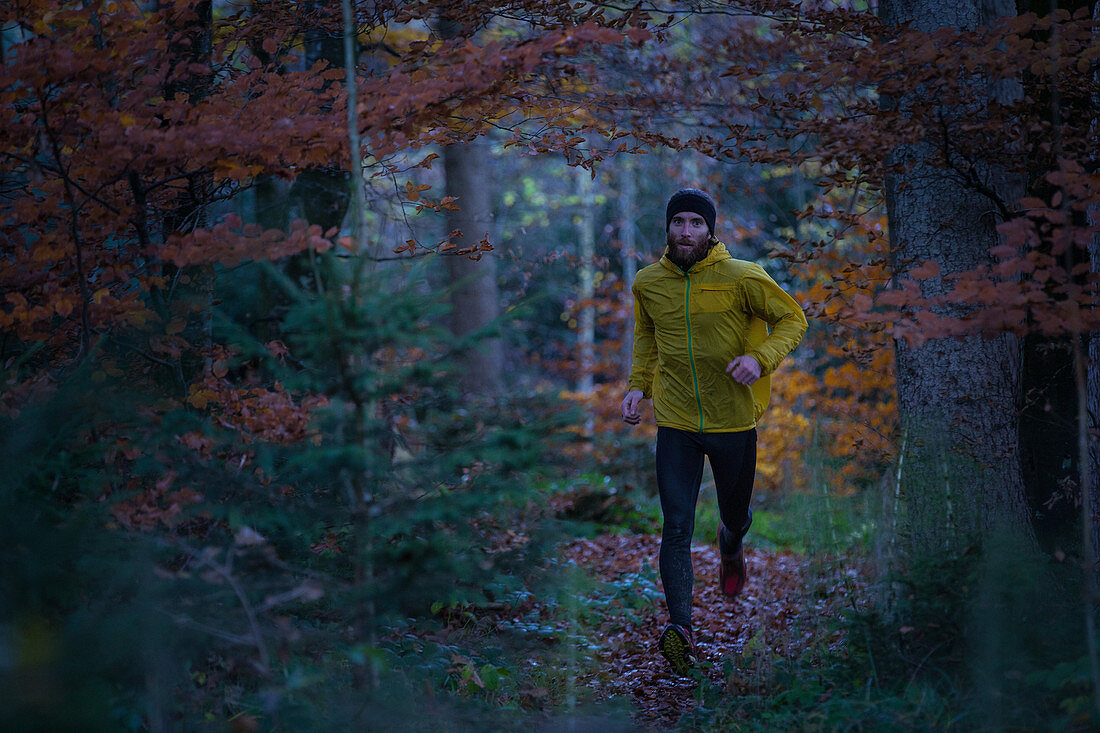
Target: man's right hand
[{"x": 629, "y": 408}]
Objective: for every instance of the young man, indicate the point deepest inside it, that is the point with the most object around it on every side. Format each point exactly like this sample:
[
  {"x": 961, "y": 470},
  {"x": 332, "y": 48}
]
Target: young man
[{"x": 708, "y": 331}]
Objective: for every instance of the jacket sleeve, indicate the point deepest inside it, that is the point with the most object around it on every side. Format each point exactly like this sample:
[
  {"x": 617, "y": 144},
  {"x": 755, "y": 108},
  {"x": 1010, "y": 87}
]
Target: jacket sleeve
[
  {"x": 644, "y": 361},
  {"x": 786, "y": 321}
]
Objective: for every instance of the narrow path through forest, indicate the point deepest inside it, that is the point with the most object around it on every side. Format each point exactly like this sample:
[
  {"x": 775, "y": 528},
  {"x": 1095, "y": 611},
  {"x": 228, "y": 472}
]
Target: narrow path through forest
[{"x": 783, "y": 613}]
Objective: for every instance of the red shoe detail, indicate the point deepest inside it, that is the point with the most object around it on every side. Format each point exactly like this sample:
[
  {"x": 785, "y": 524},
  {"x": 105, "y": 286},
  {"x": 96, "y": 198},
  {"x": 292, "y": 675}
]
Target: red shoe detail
[{"x": 732, "y": 574}]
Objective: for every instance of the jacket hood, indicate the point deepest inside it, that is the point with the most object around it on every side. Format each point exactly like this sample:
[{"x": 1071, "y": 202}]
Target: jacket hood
[{"x": 717, "y": 253}]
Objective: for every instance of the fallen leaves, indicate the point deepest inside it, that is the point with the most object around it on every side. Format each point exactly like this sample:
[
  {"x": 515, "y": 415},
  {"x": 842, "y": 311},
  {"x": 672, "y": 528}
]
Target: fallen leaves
[{"x": 783, "y": 612}]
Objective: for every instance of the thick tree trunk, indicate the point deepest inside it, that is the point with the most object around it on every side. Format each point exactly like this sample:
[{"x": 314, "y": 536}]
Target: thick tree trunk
[
  {"x": 325, "y": 196},
  {"x": 1093, "y": 379},
  {"x": 322, "y": 195},
  {"x": 195, "y": 44},
  {"x": 958, "y": 398},
  {"x": 1089, "y": 445},
  {"x": 475, "y": 301},
  {"x": 1093, "y": 402}
]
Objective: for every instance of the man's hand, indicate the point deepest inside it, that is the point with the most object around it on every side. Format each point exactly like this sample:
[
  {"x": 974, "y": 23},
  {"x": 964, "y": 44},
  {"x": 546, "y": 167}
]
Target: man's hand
[
  {"x": 629, "y": 408},
  {"x": 744, "y": 369}
]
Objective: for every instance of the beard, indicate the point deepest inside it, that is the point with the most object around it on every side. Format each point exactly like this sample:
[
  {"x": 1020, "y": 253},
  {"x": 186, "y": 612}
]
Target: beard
[{"x": 684, "y": 251}]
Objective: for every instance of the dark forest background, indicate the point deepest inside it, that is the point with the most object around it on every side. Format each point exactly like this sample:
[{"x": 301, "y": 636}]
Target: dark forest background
[{"x": 315, "y": 321}]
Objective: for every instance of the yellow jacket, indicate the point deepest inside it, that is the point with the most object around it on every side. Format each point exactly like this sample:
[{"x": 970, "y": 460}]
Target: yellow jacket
[{"x": 689, "y": 326}]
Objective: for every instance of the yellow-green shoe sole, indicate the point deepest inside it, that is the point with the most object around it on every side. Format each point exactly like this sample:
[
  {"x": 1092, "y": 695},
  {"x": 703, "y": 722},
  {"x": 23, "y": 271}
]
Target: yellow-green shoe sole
[{"x": 676, "y": 650}]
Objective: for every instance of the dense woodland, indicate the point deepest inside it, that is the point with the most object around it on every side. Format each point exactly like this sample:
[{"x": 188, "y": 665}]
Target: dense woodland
[{"x": 315, "y": 319}]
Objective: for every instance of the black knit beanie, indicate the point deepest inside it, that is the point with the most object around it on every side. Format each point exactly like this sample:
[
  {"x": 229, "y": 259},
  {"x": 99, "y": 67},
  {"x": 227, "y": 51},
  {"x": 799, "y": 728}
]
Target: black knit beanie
[{"x": 693, "y": 200}]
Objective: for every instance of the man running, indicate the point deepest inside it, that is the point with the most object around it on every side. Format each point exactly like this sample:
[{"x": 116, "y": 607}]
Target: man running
[{"x": 708, "y": 331}]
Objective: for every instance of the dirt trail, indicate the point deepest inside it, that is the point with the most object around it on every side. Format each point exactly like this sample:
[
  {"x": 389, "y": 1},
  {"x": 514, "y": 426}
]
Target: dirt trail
[{"x": 781, "y": 613}]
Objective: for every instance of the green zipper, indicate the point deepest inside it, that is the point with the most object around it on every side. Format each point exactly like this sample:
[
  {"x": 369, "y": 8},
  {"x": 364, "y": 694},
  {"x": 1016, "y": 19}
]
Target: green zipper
[{"x": 691, "y": 354}]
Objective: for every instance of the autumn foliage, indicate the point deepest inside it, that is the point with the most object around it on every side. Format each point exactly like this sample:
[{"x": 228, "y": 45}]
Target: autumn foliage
[{"x": 204, "y": 371}]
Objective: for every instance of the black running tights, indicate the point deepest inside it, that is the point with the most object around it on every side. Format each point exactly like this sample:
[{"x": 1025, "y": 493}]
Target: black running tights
[{"x": 679, "y": 472}]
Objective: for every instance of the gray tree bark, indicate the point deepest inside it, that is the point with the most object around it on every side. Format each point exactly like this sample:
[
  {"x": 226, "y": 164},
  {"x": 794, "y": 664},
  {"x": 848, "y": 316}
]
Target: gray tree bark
[
  {"x": 475, "y": 299},
  {"x": 1093, "y": 387},
  {"x": 957, "y": 396},
  {"x": 1093, "y": 384},
  {"x": 323, "y": 196},
  {"x": 628, "y": 215},
  {"x": 586, "y": 251}
]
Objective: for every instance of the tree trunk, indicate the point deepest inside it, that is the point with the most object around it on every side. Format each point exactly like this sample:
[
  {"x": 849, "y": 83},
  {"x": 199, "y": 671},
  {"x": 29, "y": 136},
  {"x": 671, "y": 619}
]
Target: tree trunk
[
  {"x": 1093, "y": 401},
  {"x": 1088, "y": 423},
  {"x": 1093, "y": 379},
  {"x": 194, "y": 45},
  {"x": 320, "y": 195},
  {"x": 326, "y": 195},
  {"x": 958, "y": 397},
  {"x": 628, "y": 214},
  {"x": 474, "y": 300},
  {"x": 586, "y": 253},
  {"x": 355, "y": 145}
]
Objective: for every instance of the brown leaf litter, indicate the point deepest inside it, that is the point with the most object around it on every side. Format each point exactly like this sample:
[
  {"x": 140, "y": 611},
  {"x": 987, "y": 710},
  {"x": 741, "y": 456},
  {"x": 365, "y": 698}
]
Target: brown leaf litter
[{"x": 782, "y": 613}]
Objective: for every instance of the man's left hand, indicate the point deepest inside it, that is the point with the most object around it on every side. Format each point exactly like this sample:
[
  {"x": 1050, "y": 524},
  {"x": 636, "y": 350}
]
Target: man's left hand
[{"x": 744, "y": 369}]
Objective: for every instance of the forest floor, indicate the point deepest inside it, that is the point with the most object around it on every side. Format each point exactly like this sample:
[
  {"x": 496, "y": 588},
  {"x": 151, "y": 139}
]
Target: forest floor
[{"x": 784, "y": 612}]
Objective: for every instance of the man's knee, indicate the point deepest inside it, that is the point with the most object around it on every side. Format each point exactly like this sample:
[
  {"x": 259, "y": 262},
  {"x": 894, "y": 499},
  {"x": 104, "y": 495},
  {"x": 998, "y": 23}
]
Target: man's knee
[{"x": 678, "y": 529}]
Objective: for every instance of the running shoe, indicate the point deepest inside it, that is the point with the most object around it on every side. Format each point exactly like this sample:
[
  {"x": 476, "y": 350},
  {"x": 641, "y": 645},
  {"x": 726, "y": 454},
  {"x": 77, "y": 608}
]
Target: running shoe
[
  {"x": 732, "y": 573},
  {"x": 675, "y": 645}
]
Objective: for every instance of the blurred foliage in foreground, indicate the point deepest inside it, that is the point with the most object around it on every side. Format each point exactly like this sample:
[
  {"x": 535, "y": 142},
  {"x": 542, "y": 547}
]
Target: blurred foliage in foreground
[{"x": 251, "y": 557}]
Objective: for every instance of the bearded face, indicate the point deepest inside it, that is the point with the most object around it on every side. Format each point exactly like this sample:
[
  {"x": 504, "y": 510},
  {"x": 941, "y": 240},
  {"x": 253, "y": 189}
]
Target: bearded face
[{"x": 688, "y": 240}]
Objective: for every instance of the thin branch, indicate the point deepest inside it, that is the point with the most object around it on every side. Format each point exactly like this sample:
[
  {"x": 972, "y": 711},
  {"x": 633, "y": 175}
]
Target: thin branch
[
  {"x": 141, "y": 353},
  {"x": 184, "y": 620},
  {"x": 68, "y": 180},
  {"x": 74, "y": 232},
  {"x": 250, "y": 613},
  {"x": 968, "y": 176}
]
